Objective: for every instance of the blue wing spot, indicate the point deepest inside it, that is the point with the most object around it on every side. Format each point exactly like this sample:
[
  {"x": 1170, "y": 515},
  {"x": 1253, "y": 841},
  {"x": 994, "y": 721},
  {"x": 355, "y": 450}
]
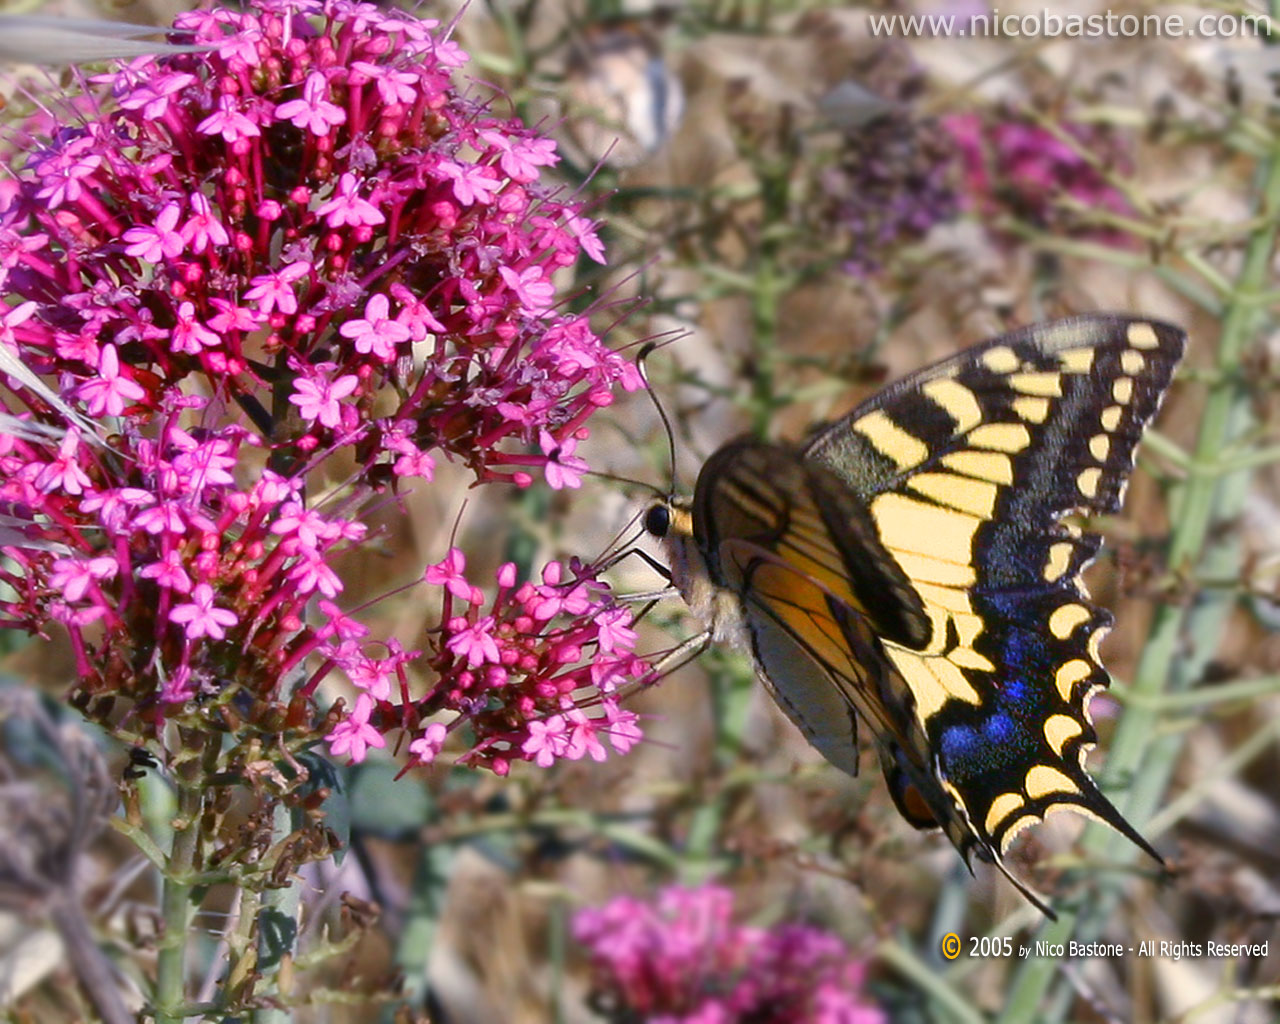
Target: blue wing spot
[
  {"x": 1014, "y": 691},
  {"x": 959, "y": 744},
  {"x": 999, "y": 728}
]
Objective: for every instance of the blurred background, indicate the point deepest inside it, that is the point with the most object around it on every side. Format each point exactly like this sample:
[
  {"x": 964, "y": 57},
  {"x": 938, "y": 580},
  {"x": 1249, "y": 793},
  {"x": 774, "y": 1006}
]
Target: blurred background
[{"x": 801, "y": 210}]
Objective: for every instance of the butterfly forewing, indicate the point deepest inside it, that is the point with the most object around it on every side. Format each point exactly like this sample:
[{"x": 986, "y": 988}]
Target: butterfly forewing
[{"x": 966, "y": 470}]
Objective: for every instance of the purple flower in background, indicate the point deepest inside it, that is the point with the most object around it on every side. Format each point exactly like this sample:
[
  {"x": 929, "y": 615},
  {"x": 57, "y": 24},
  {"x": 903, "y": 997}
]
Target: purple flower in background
[
  {"x": 681, "y": 959},
  {"x": 1013, "y": 166},
  {"x": 894, "y": 173}
]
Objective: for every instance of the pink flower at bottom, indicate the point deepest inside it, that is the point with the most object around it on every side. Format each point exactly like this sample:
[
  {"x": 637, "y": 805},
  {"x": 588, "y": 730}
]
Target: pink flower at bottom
[{"x": 354, "y": 735}]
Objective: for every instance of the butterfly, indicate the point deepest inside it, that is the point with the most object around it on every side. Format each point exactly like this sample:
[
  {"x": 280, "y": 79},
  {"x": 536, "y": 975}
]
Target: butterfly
[{"x": 916, "y": 566}]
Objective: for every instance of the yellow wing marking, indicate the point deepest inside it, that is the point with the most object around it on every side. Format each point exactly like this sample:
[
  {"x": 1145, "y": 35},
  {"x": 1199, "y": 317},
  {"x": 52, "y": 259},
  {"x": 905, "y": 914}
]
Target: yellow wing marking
[
  {"x": 1100, "y": 447},
  {"x": 915, "y": 527},
  {"x": 1111, "y": 417},
  {"x": 891, "y": 440},
  {"x": 947, "y": 598},
  {"x": 1088, "y": 481},
  {"x": 1044, "y": 779},
  {"x": 920, "y": 569},
  {"x": 1065, "y": 619},
  {"x": 932, "y": 680},
  {"x": 1044, "y": 384},
  {"x": 1057, "y": 562},
  {"x": 1001, "y": 359},
  {"x": 981, "y": 465},
  {"x": 1077, "y": 360},
  {"x": 967, "y": 657},
  {"x": 1132, "y": 362},
  {"x": 1122, "y": 390},
  {"x": 1001, "y": 807},
  {"x": 962, "y": 493},
  {"x": 1069, "y": 673},
  {"x": 1059, "y": 730},
  {"x": 1033, "y": 410},
  {"x": 951, "y": 679},
  {"x": 1142, "y": 336},
  {"x": 1002, "y": 437},
  {"x": 967, "y": 628},
  {"x": 957, "y": 401}
]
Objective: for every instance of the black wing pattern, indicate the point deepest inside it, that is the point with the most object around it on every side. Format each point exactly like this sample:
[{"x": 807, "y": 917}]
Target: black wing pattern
[{"x": 967, "y": 469}]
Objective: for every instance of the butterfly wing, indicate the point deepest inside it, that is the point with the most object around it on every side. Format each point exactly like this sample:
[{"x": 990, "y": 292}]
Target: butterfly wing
[
  {"x": 966, "y": 471},
  {"x": 815, "y": 588}
]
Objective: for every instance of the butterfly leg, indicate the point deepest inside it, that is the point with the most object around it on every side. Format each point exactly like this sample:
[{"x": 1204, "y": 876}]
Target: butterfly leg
[{"x": 679, "y": 656}]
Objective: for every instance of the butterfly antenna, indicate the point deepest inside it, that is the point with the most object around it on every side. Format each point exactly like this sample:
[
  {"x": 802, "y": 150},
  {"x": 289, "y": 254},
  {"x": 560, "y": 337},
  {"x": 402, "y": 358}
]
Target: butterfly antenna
[{"x": 647, "y": 348}]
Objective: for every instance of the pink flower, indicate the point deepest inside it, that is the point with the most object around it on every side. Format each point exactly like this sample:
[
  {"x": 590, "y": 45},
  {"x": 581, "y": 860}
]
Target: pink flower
[
  {"x": 472, "y": 183},
  {"x": 152, "y": 96},
  {"x": 274, "y": 291},
  {"x": 428, "y": 746},
  {"x": 681, "y": 958},
  {"x": 74, "y": 576},
  {"x": 321, "y": 399},
  {"x": 563, "y": 468},
  {"x": 202, "y": 228},
  {"x": 547, "y": 740},
  {"x": 353, "y": 736},
  {"x": 475, "y": 642},
  {"x": 313, "y": 111},
  {"x": 158, "y": 242},
  {"x": 189, "y": 335},
  {"x": 534, "y": 292},
  {"x": 615, "y": 633},
  {"x": 63, "y": 473},
  {"x": 201, "y": 618},
  {"x": 228, "y": 122},
  {"x": 291, "y": 210},
  {"x": 169, "y": 572},
  {"x": 377, "y": 333},
  {"x": 109, "y": 392},
  {"x": 449, "y": 574},
  {"x": 521, "y": 158},
  {"x": 346, "y": 208}
]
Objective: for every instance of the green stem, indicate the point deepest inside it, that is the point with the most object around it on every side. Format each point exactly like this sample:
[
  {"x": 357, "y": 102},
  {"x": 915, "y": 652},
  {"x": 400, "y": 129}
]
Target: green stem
[
  {"x": 277, "y": 930},
  {"x": 422, "y": 920},
  {"x": 930, "y": 980},
  {"x": 1139, "y": 751},
  {"x": 190, "y": 773}
]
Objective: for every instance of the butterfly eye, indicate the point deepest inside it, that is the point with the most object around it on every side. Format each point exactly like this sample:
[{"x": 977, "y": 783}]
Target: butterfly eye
[{"x": 657, "y": 521}]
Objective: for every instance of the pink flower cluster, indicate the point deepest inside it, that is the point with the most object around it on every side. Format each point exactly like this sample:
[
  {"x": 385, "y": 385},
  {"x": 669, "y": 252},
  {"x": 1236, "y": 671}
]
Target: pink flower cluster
[
  {"x": 1012, "y": 165},
  {"x": 682, "y": 960},
  {"x": 303, "y": 244},
  {"x": 535, "y": 675}
]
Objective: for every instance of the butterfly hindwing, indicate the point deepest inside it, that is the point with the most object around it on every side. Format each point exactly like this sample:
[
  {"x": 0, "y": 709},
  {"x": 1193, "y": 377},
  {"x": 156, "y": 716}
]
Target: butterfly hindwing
[{"x": 967, "y": 469}]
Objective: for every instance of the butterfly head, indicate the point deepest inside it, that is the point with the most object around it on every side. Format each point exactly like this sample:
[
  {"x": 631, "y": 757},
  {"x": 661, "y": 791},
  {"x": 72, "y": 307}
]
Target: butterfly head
[{"x": 668, "y": 518}]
